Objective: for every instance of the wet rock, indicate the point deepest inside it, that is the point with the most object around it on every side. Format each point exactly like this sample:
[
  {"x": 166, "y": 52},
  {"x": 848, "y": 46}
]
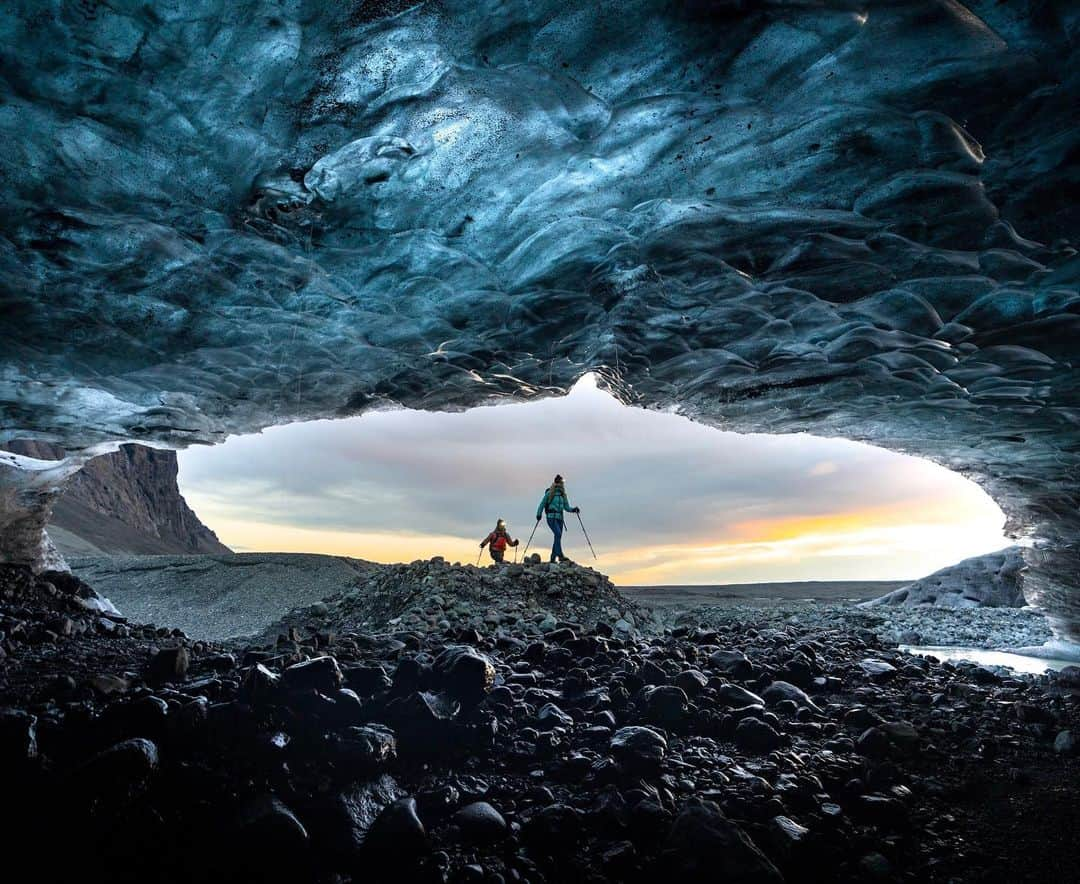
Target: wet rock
[
  {"x": 365, "y": 749},
  {"x": 666, "y": 704},
  {"x": 638, "y": 749},
  {"x": 109, "y": 685},
  {"x": 424, "y": 722},
  {"x": 788, "y": 836},
  {"x": 900, "y": 733},
  {"x": 269, "y": 836},
  {"x": 480, "y": 823},
  {"x": 551, "y": 716},
  {"x": 877, "y": 670},
  {"x": 397, "y": 830},
  {"x": 752, "y": 735},
  {"x": 259, "y": 685},
  {"x": 319, "y": 673},
  {"x": 1066, "y": 744},
  {"x": 691, "y": 681},
  {"x": 732, "y": 663},
  {"x": 119, "y": 770},
  {"x": 18, "y": 736},
  {"x": 169, "y": 665},
  {"x": 465, "y": 673},
  {"x": 736, "y": 696},
  {"x": 705, "y": 846},
  {"x": 339, "y": 823},
  {"x": 873, "y": 743},
  {"x": 779, "y": 691},
  {"x": 366, "y": 680}
]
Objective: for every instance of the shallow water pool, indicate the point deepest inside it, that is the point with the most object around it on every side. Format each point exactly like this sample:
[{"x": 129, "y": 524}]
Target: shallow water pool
[{"x": 1018, "y": 662}]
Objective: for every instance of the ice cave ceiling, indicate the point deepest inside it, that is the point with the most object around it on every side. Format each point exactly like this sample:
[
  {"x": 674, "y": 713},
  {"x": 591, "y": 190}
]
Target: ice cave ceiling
[{"x": 847, "y": 218}]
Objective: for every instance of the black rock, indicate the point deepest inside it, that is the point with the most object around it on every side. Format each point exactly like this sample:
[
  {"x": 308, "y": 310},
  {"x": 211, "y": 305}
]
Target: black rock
[
  {"x": 735, "y": 695},
  {"x": 220, "y": 663},
  {"x": 732, "y": 663},
  {"x": 753, "y": 735},
  {"x": 169, "y": 665},
  {"x": 366, "y": 680},
  {"x": 259, "y": 685},
  {"x": 877, "y": 670},
  {"x": 142, "y": 717},
  {"x": 365, "y": 749},
  {"x": 665, "y": 704},
  {"x": 789, "y": 837},
  {"x": 269, "y": 839},
  {"x": 18, "y": 736},
  {"x": 398, "y": 830},
  {"x": 873, "y": 743},
  {"x": 480, "y": 823},
  {"x": 705, "y": 846},
  {"x": 339, "y": 824},
  {"x": 638, "y": 749},
  {"x": 551, "y": 716},
  {"x": 782, "y": 690},
  {"x": 424, "y": 722},
  {"x": 464, "y": 673},
  {"x": 319, "y": 674},
  {"x": 691, "y": 681},
  {"x": 119, "y": 770}
]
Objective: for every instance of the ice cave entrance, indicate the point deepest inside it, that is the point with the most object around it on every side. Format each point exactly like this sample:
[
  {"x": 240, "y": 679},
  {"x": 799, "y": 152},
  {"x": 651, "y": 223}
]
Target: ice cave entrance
[{"x": 665, "y": 500}]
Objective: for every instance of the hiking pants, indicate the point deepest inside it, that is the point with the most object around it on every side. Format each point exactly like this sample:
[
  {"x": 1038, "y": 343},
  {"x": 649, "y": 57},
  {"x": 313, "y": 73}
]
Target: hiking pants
[
  {"x": 556, "y": 526},
  {"x": 496, "y": 554}
]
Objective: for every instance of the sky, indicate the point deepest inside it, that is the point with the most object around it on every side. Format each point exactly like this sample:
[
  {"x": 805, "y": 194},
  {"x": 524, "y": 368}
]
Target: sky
[{"x": 665, "y": 500}]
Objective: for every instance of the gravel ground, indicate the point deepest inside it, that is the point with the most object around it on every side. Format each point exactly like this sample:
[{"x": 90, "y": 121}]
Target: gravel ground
[
  {"x": 971, "y": 627},
  {"x": 217, "y": 597}
]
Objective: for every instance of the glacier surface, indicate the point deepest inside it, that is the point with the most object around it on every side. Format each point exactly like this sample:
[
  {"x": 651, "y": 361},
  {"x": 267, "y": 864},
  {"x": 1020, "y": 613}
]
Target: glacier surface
[{"x": 850, "y": 219}]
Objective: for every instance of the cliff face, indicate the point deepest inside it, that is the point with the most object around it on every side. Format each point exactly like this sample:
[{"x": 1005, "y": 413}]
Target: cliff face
[{"x": 124, "y": 503}]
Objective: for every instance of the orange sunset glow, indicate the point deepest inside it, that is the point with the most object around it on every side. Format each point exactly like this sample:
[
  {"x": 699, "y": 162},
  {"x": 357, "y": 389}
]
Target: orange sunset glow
[{"x": 665, "y": 500}]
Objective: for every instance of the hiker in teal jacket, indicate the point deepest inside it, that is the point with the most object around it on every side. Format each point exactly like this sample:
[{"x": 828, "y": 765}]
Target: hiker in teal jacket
[{"x": 553, "y": 504}]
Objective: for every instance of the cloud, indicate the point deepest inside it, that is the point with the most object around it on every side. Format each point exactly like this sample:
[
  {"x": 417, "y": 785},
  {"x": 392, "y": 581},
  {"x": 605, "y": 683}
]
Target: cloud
[{"x": 648, "y": 483}]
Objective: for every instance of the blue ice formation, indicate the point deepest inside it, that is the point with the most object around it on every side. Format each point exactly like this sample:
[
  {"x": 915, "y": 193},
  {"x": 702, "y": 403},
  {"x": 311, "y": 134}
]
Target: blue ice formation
[{"x": 846, "y": 218}]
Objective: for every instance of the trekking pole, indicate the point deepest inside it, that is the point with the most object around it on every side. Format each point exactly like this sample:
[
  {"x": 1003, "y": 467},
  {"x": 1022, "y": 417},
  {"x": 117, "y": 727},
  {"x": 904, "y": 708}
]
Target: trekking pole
[
  {"x": 586, "y": 533},
  {"x": 478, "y": 555},
  {"x": 527, "y": 545}
]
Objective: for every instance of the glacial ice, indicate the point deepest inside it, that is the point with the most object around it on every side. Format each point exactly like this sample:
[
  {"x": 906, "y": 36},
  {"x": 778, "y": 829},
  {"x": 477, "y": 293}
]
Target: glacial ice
[{"x": 776, "y": 217}]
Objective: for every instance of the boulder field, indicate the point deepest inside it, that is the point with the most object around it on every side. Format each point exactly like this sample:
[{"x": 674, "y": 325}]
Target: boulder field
[{"x": 438, "y": 730}]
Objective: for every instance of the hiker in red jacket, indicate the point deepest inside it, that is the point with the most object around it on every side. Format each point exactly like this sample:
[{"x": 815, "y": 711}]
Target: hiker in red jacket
[{"x": 497, "y": 541}]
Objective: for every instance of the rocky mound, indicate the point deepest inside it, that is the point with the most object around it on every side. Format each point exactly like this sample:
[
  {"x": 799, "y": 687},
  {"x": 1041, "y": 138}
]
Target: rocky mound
[
  {"x": 990, "y": 581},
  {"x": 574, "y": 754},
  {"x": 435, "y": 596}
]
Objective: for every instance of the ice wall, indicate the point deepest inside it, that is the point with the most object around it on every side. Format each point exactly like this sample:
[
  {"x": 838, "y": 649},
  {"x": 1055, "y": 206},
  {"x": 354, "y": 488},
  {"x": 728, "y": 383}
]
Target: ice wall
[{"x": 779, "y": 216}]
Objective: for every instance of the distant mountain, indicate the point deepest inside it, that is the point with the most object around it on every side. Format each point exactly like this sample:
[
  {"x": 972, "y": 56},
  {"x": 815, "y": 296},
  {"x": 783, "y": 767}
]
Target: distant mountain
[{"x": 125, "y": 503}]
